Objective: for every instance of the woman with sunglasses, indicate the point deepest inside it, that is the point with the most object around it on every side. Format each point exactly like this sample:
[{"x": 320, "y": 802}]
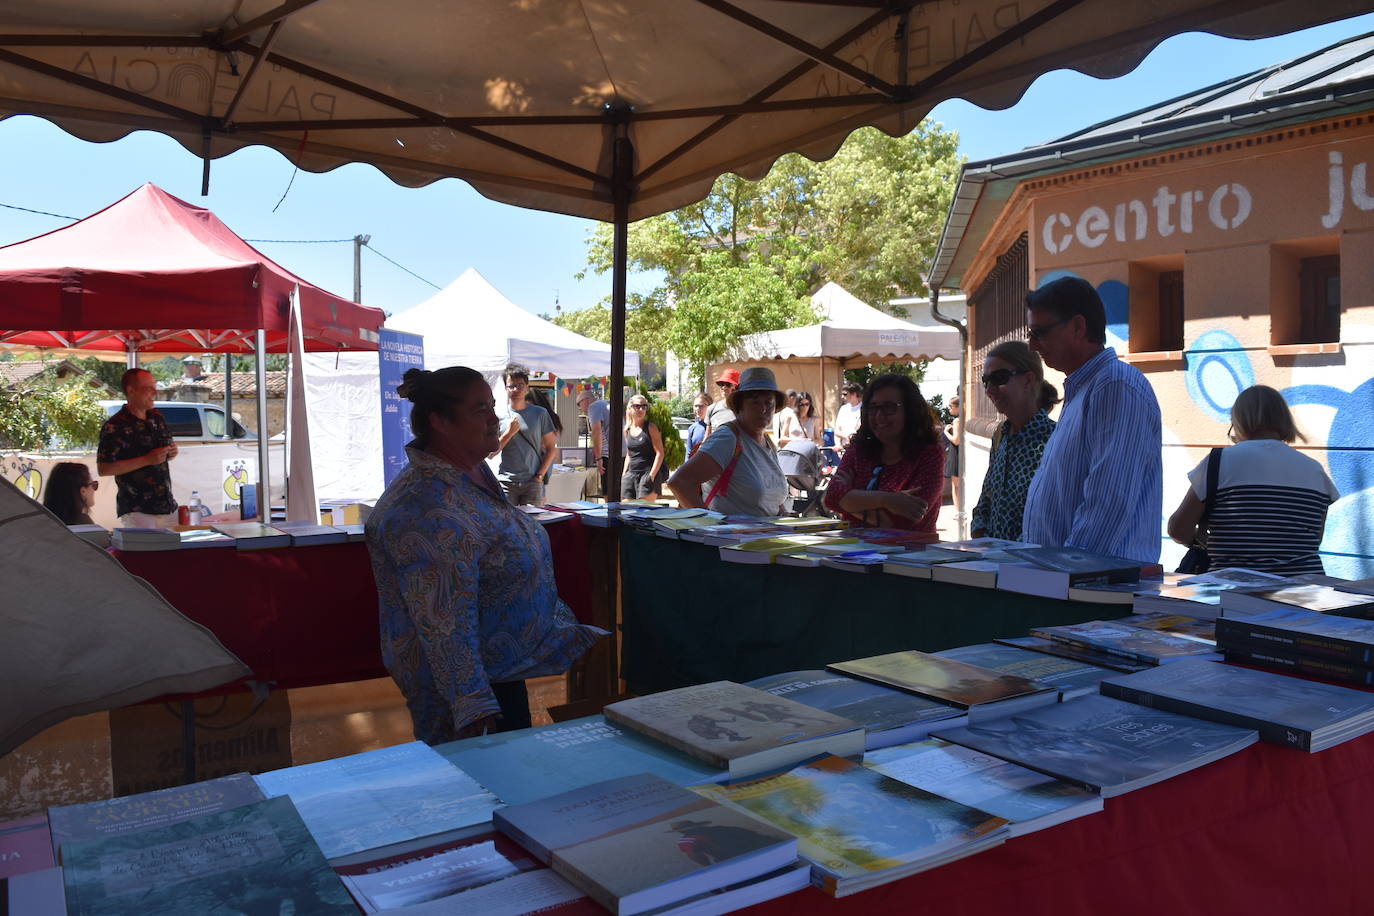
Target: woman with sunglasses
[
  {"x": 893, "y": 473},
  {"x": 645, "y": 472},
  {"x": 801, "y": 422},
  {"x": 71, "y": 492},
  {"x": 1014, "y": 379}
]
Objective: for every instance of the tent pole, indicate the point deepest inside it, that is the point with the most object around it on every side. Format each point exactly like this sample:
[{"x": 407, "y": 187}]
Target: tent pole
[
  {"x": 622, "y": 160},
  {"x": 264, "y": 471}
]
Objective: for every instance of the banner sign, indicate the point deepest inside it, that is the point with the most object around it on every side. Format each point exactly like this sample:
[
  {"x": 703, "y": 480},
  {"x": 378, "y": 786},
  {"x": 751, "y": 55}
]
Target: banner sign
[{"x": 398, "y": 352}]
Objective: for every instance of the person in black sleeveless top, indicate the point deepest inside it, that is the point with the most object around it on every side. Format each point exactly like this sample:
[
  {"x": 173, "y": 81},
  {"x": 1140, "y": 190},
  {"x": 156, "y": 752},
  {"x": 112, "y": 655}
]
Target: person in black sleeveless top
[{"x": 644, "y": 474}]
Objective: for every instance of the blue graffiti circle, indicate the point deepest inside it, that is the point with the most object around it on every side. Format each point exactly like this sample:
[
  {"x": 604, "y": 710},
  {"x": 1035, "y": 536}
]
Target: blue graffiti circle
[{"x": 1218, "y": 371}]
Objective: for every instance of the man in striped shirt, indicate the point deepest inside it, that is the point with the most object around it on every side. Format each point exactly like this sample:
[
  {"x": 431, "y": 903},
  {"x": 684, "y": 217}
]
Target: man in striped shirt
[{"x": 1099, "y": 484}]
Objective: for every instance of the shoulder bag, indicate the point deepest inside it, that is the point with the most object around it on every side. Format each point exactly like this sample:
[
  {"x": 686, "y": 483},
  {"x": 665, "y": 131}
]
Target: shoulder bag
[{"x": 1196, "y": 559}]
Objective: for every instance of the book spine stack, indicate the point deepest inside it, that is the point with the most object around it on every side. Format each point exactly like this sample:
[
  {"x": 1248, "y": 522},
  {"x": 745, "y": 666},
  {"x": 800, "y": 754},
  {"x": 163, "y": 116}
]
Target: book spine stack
[{"x": 1250, "y": 643}]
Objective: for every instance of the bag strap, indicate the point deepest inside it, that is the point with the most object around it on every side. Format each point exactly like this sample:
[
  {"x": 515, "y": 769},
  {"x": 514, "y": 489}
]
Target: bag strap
[
  {"x": 1213, "y": 473},
  {"x": 722, "y": 484}
]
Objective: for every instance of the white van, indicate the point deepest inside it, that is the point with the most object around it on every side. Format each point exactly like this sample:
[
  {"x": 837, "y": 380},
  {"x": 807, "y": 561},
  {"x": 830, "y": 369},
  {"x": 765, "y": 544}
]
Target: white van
[{"x": 194, "y": 421}]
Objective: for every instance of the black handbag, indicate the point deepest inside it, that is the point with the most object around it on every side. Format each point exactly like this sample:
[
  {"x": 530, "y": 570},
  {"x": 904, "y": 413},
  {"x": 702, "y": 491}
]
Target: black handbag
[{"x": 1196, "y": 559}]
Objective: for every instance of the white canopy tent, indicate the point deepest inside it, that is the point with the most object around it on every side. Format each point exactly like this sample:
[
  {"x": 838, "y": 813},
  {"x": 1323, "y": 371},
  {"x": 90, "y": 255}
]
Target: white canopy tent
[
  {"x": 851, "y": 332},
  {"x": 470, "y": 323}
]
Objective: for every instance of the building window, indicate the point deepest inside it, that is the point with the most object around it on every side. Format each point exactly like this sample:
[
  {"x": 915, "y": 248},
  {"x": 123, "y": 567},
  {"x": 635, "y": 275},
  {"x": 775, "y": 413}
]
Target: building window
[
  {"x": 1171, "y": 310},
  {"x": 998, "y": 309},
  {"x": 1319, "y": 282}
]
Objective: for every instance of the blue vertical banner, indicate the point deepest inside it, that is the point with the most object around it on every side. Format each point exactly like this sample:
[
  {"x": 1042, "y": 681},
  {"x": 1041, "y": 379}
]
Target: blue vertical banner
[{"x": 398, "y": 352}]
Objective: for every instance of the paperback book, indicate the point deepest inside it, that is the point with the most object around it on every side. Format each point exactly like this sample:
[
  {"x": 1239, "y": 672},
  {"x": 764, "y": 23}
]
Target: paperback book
[
  {"x": 253, "y": 535},
  {"x": 1026, "y": 799},
  {"x": 918, "y": 564},
  {"x": 1052, "y": 571},
  {"x": 306, "y": 534},
  {"x": 439, "y": 872},
  {"x": 1284, "y": 710},
  {"x": 1103, "y": 744},
  {"x": 859, "y": 828},
  {"x": 1345, "y": 639},
  {"x": 680, "y": 844},
  {"x": 384, "y": 796},
  {"x": 139, "y": 539},
  {"x": 531, "y": 763},
  {"x": 134, "y": 813},
  {"x": 1076, "y": 653},
  {"x": 981, "y": 692},
  {"x": 1263, "y": 656},
  {"x": 25, "y": 846},
  {"x": 93, "y": 534},
  {"x": 984, "y": 545},
  {"x": 1071, "y": 678},
  {"x": 255, "y": 858},
  {"x": 858, "y": 561},
  {"x": 739, "y": 728},
  {"x": 728, "y": 533},
  {"x": 203, "y": 537},
  {"x": 1319, "y": 598},
  {"x": 1204, "y": 631},
  {"x": 1147, "y": 646},
  {"x": 973, "y": 573},
  {"x": 764, "y": 550},
  {"x": 1199, "y": 599},
  {"x": 34, "y": 893},
  {"x": 888, "y": 716}
]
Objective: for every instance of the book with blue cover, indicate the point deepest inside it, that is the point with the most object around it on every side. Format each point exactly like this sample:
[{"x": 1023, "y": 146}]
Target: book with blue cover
[
  {"x": 133, "y": 813},
  {"x": 1028, "y": 800},
  {"x": 532, "y": 763},
  {"x": 255, "y": 858},
  {"x": 1071, "y": 678},
  {"x": 888, "y": 716},
  {"x": 1106, "y": 745},
  {"x": 1285, "y": 710},
  {"x": 1077, "y": 653},
  {"x": 1149, "y": 646},
  {"x": 380, "y": 797},
  {"x": 640, "y": 842},
  {"x": 859, "y": 828}
]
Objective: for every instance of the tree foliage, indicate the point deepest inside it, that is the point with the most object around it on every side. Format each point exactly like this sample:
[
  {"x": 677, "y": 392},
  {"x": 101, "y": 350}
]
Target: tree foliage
[
  {"x": 46, "y": 413},
  {"x": 746, "y": 257}
]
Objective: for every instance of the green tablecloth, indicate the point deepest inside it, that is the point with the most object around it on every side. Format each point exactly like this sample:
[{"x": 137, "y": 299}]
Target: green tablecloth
[{"x": 689, "y": 618}]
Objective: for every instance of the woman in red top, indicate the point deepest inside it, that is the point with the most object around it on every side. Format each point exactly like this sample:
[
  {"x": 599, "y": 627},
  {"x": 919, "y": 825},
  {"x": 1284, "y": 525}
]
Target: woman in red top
[{"x": 893, "y": 473}]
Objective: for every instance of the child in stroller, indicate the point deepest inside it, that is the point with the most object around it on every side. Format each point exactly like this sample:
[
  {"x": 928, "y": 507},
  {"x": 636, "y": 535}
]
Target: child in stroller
[{"x": 803, "y": 465}]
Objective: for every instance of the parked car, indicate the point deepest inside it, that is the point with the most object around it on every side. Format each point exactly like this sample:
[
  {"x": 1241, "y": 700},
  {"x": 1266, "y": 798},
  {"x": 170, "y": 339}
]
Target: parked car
[{"x": 193, "y": 421}]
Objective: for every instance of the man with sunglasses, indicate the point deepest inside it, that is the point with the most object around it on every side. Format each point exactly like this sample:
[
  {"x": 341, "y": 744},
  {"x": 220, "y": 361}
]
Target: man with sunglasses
[
  {"x": 1099, "y": 484},
  {"x": 720, "y": 413},
  {"x": 529, "y": 444}
]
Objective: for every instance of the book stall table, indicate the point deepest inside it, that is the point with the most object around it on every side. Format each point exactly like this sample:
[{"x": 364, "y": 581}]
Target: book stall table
[
  {"x": 691, "y": 618},
  {"x": 306, "y": 616}
]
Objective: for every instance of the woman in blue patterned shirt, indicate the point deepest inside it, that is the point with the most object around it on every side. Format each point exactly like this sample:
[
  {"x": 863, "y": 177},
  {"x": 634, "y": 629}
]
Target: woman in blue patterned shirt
[
  {"x": 465, "y": 581},
  {"x": 1014, "y": 379}
]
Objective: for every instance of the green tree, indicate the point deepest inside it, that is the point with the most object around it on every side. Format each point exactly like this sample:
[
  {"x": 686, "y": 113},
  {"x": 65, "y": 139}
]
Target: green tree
[
  {"x": 646, "y": 324},
  {"x": 46, "y": 413}
]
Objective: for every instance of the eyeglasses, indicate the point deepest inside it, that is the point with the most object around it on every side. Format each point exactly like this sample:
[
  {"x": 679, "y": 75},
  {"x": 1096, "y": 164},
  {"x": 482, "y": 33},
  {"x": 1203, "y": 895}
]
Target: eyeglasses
[
  {"x": 884, "y": 408},
  {"x": 516, "y": 386},
  {"x": 639, "y": 406},
  {"x": 724, "y": 385},
  {"x": 1039, "y": 333},
  {"x": 93, "y": 484},
  {"x": 999, "y": 378}
]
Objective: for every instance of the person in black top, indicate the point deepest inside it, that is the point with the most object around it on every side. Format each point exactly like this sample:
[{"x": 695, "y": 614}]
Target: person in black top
[
  {"x": 644, "y": 444},
  {"x": 70, "y": 493},
  {"x": 135, "y": 446}
]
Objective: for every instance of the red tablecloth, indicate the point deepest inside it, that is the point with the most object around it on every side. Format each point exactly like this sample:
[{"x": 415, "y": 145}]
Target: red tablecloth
[
  {"x": 302, "y": 616},
  {"x": 1266, "y": 832}
]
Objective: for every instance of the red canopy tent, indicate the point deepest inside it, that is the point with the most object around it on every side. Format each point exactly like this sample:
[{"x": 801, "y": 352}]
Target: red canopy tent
[{"x": 152, "y": 273}]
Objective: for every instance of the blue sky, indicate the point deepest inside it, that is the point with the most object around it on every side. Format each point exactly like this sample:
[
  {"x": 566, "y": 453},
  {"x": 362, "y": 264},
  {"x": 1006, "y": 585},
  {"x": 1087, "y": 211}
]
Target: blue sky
[{"x": 439, "y": 231}]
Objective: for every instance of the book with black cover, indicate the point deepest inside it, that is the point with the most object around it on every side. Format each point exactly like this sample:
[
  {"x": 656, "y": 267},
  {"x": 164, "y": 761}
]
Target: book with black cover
[
  {"x": 1104, "y": 744},
  {"x": 1346, "y": 639},
  {"x": 1320, "y": 598},
  {"x": 1052, "y": 571},
  {"x": 742, "y": 729},
  {"x": 1247, "y": 653},
  {"x": 980, "y": 691},
  {"x": 1077, "y": 653},
  {"x": 638, "y": 842},
  {"x": 254, "y": 858},
  {"x": 1071, "y": 678},
  {"x": 1028, "y": 800},
  {"x": 1284, "y": 710},
  {"x": 1127, "y": 641},
  {"x": 888, "y": 716},
  {"x": 859, "y": 828}
]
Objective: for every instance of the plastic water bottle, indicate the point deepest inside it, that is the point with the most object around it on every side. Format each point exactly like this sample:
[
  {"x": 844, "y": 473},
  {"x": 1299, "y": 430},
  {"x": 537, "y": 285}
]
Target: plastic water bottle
[{"x": 197, "y": 510}]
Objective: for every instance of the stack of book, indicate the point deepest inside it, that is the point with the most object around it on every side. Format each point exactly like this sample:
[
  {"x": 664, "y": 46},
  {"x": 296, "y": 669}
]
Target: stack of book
[
  {"x": 920, "y": 564},
  {"x": 1301, "y": 642},
  {"x": 253, "y": 535},
  {"x": 1052, "y": 571},
  {"x": 139, "y": 539},
  {"x": 768, "y": 549},
  {"x": 1152, "y": 647},
  {"x": 93, "y": 534},
  {"x": 307, "y": 534},
  {"x": 1322, "y": 599},
  {"x": 980, "y": 693}
]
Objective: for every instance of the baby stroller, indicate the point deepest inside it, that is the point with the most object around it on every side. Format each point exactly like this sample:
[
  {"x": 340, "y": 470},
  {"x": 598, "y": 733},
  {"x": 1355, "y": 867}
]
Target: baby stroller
[{"x": 801, "y": 463}]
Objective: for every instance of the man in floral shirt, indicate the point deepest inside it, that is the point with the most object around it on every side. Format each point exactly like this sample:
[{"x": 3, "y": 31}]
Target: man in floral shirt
[{"x": 135, "y": 446}]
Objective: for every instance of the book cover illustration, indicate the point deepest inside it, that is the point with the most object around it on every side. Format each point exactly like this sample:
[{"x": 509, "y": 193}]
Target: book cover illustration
[
  {"x": 723, "y": 720},
  {"x": 1320, "y": 598},
  {"x": 942, "y": 679},
  {"x": 1077, "y": 653},
  {"x": 1174, "y": 624},
  {"x": 1234, "y": 577},
  {"x": 985, "y": 545},
  {"x": 874, "y": 706},
  {"x": 1104, "y": 744},
  {"x": 852, "y": 821},
  {"x": 255, "y": 858},
  {"x": 1026, "y": 798},
  {"x": 1072, "y": 560},
  {"x": 1068, "y": 676},
  {"x": 1119, "y": 638},
  {"x": 25, "y": 846},
  {"x": 380, "y": 797},
  {"x": 1295, "y": 710},
  {"x": 132, "y": 813},
  {"x": 929, "y": 556},
  {"x": 532, "y": 763},
  {"x": 450, "y": 870}
]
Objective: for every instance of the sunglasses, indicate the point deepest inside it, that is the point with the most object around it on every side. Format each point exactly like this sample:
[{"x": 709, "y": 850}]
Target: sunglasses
[
  {"x": 803, "y": 403},
  {"x": 1039, "y": 333},
  {"x": 639, "y": 406},
  {"x": 724, "y": 385},
  {"x": 1000, "y": 377},
  {"x": 93, "y": 484},
  {"x": 885, "y": 408}
]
